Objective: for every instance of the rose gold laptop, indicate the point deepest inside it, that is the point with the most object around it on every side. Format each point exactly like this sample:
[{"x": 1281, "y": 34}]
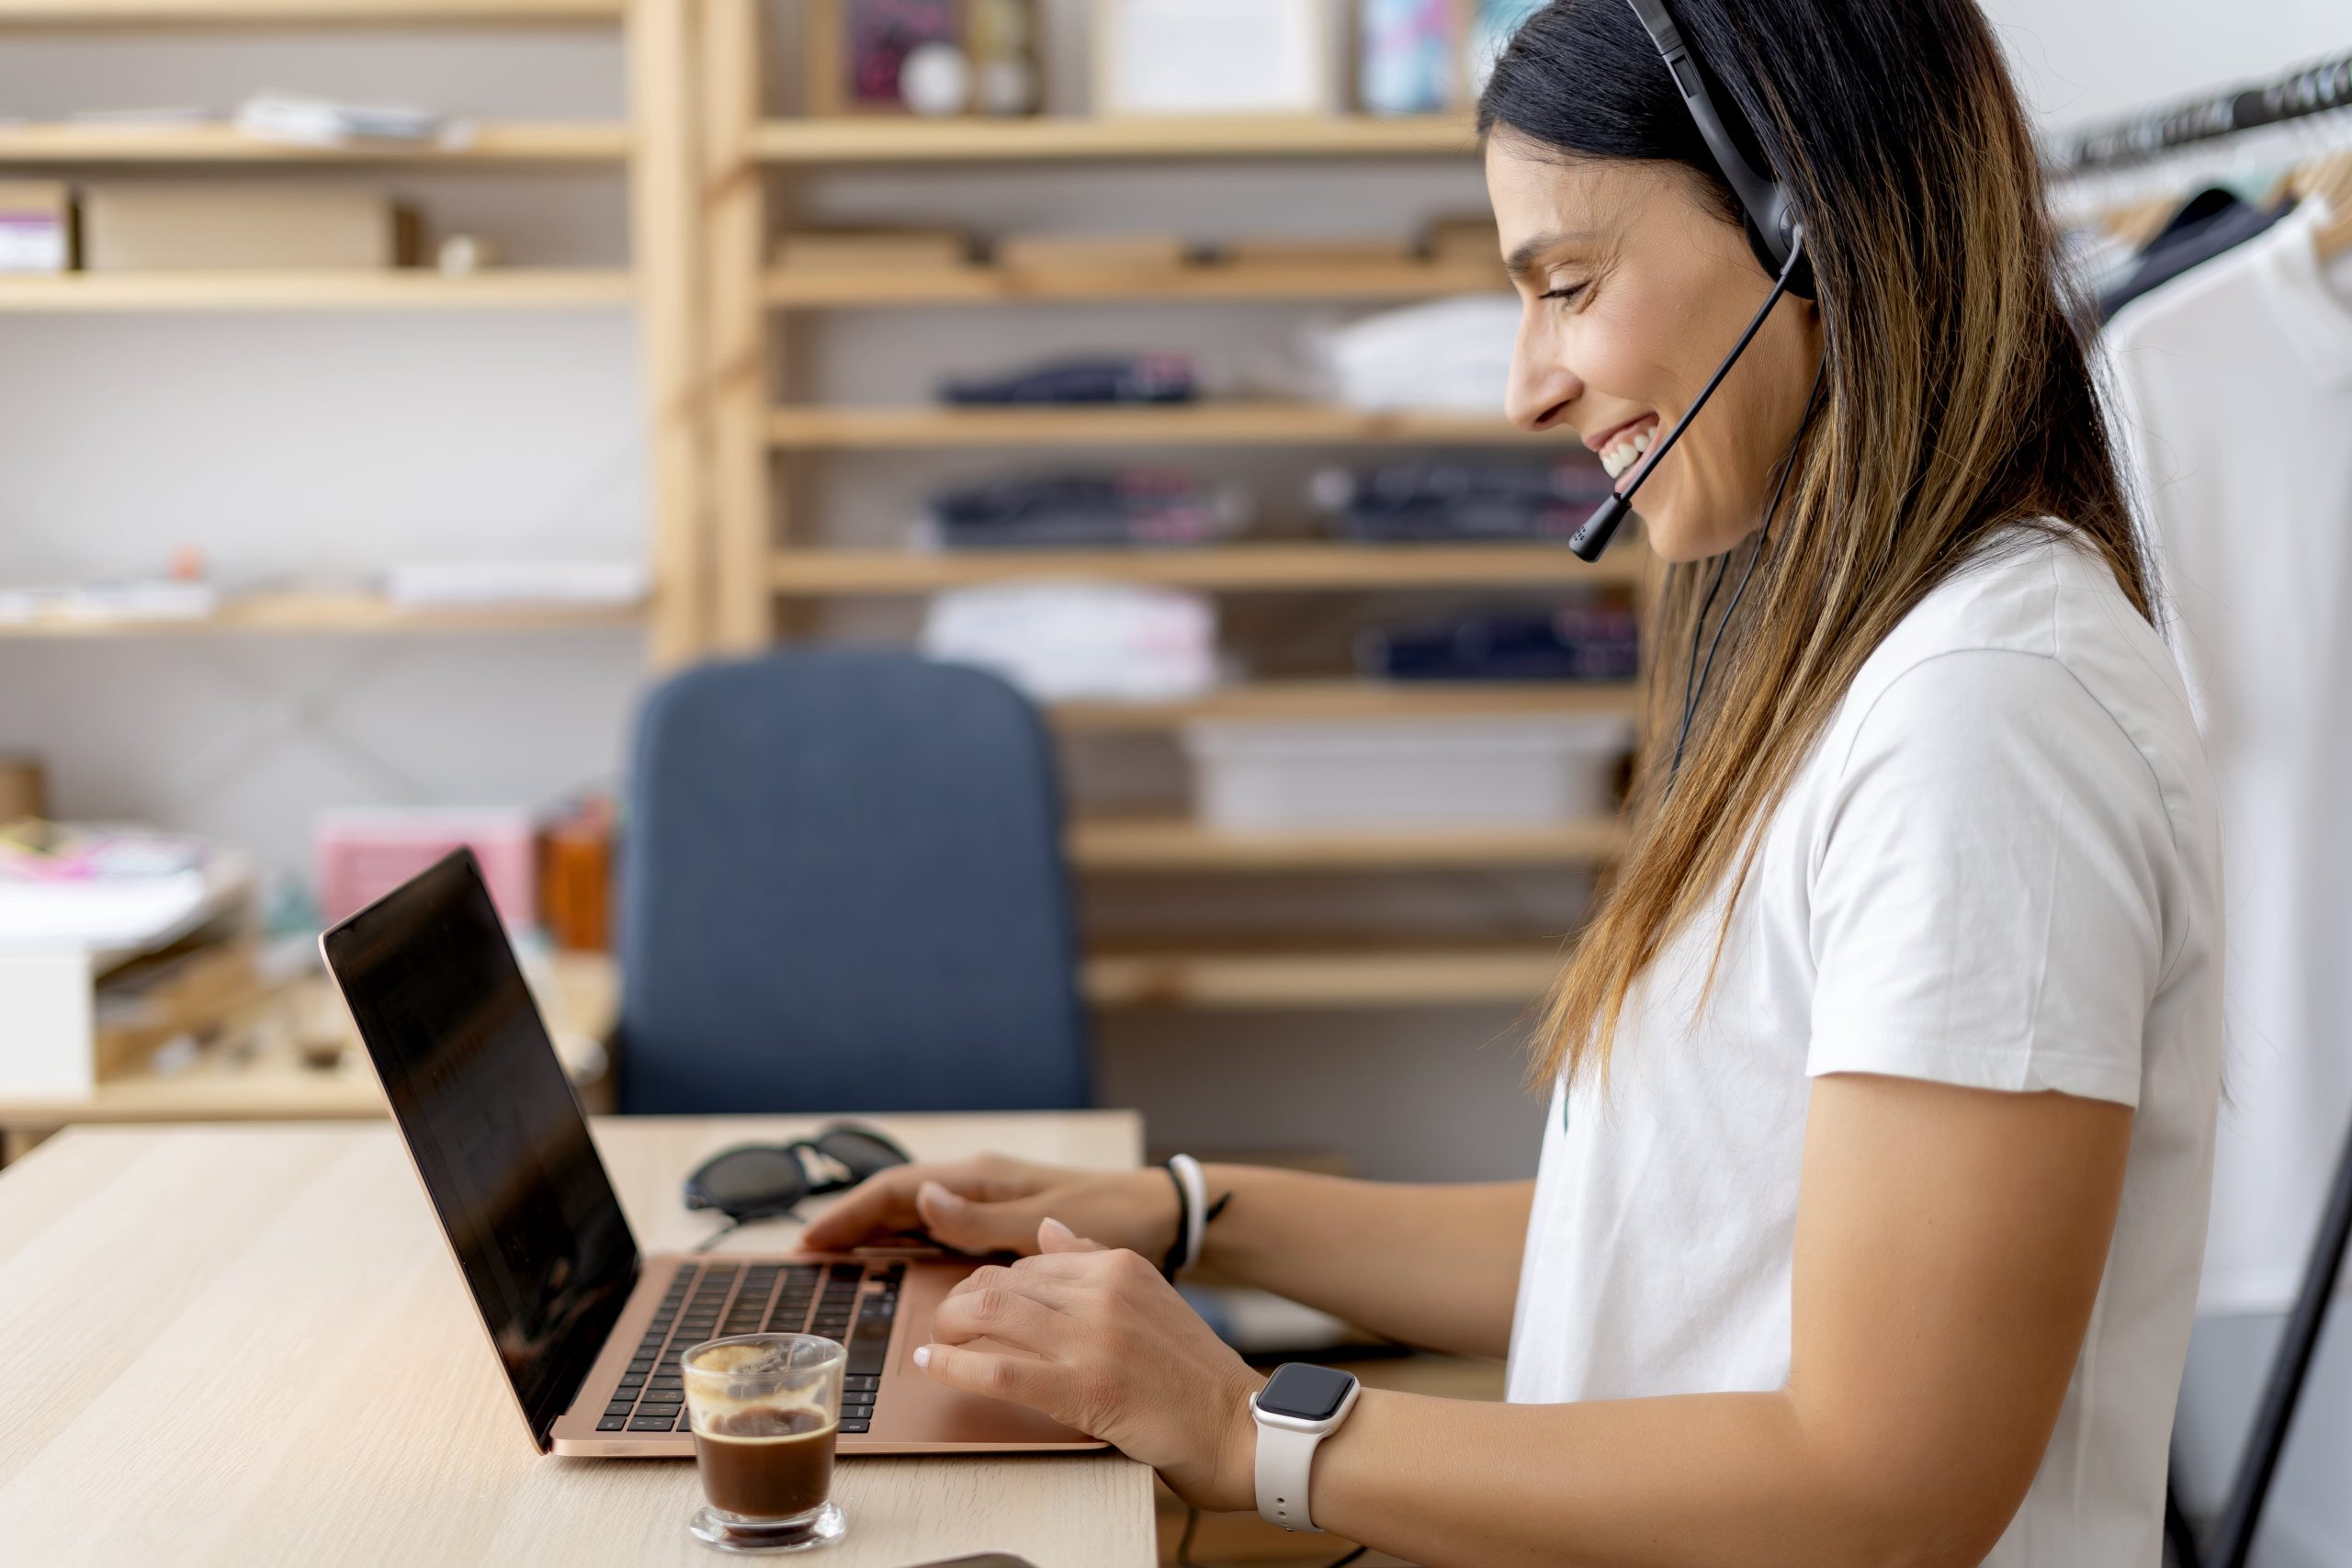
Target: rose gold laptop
[{"x": 588, "y": 1329}]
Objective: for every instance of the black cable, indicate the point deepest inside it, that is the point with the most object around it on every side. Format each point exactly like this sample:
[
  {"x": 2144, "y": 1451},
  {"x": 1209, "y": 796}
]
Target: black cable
[
  {"x": 1193, "y": 1522},
  {"x": 1763, "y": 539}
]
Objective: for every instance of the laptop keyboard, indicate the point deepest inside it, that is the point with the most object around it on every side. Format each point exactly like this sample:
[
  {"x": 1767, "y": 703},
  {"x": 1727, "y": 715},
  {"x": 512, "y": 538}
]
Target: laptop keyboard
[{"x": 719, "y": 1300}]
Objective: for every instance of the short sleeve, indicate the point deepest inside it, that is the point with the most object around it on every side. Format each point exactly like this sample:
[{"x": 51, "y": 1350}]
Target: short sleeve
[{"x": 1987, "y": 885}]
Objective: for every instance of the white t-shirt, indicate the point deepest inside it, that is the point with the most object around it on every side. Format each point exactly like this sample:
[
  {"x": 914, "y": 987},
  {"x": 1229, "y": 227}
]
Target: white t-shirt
[
  {"x": 1998, "y": 869},
  {"x": 2237, "y": 399}
]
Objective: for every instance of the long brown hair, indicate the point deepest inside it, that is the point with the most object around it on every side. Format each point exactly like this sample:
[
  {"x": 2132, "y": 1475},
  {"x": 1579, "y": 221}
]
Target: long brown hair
[{"x": 1956, "y": 406}]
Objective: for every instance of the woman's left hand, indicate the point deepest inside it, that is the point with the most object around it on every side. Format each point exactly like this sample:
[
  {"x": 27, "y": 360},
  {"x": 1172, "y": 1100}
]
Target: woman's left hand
[{"x": 1117, "y": 1355}]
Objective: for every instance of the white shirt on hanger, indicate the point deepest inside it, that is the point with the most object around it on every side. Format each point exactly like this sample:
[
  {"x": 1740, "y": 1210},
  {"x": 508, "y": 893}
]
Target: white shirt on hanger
[
  {"x": 1997, "y": 869},
  {"x": 2236, "y": 383}
]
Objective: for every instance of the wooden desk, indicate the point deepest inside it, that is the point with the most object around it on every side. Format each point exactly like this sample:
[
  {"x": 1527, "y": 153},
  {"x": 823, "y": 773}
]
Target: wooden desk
[{"x": 243, "y": 1345}]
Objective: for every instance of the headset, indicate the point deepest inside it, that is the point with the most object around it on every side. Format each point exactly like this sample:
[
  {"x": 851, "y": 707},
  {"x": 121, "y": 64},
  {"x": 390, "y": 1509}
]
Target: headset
[{"x": 1774, "y": 233}]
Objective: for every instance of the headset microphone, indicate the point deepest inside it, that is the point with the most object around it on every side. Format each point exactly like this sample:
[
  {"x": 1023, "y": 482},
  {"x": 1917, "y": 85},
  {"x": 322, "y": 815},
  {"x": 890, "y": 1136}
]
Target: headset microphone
[
  {"x": 1593, "y": 537},
  {"x": 1773, "y": 234}
]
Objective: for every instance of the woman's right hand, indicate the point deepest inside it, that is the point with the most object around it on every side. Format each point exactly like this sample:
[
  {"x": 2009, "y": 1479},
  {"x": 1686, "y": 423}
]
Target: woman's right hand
[{"x": 994, "y": 1204}]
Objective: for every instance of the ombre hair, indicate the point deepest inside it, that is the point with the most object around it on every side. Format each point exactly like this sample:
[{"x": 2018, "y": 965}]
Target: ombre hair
[{"x": 1956, "y": 408}]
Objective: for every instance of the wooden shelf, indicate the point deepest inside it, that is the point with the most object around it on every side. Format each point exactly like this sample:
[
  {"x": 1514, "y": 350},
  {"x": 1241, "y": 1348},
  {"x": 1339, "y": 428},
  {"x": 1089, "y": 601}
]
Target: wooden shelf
[
  {"x": 553, "y": 141},
  {"x": 335, "y": 614},
  {"x": 249, "y": 13},
  {"x": 1074, "y": 139},
  {"x": 1498, "y": 973},
  {"x": 574, "y": 290},
  {"x": 1309, "y": 567},
  {"x": 1177, "y": 845},
  {"x": 1346, "y": 699},
  {"x": 819, "y": 287},
  {"x": 1167, "y": 425}
]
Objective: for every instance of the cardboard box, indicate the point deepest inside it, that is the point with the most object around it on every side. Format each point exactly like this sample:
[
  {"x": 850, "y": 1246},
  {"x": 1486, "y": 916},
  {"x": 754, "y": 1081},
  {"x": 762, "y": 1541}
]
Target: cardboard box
[
  {"x": 198, "y": 225},
  {"x": 36, "y": 226}
]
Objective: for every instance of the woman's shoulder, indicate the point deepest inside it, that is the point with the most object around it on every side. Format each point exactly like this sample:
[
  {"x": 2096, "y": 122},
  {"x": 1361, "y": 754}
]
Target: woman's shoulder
[
  {"x": 2038, "y": 591},
  {"x": 2029, "y": 650}
]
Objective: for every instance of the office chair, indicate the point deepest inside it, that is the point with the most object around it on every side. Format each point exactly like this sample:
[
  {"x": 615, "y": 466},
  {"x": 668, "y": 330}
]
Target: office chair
[{"x": 844, "y": 891}]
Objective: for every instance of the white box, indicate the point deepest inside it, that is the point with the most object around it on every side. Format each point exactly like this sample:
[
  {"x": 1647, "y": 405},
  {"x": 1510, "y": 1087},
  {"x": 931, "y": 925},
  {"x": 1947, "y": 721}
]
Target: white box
[{"x": 1257, "y": 776}]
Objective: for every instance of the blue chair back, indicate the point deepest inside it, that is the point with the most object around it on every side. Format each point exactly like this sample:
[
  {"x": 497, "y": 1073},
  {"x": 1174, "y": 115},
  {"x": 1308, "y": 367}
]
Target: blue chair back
[{"x": 844, "y": 891}]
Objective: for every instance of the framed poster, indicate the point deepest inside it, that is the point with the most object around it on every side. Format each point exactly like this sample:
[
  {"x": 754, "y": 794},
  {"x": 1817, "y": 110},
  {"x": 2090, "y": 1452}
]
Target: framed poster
[{"x": 1193, "y": 57}]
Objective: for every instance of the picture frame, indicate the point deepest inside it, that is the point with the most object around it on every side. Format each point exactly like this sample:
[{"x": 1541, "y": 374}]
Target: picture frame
[
  {"x": 1410, "y": 55},
  {"x": 1216, "y": 57}
]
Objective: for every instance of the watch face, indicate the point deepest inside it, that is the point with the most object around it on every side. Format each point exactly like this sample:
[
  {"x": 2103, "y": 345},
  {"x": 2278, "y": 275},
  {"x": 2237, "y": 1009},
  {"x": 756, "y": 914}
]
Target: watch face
[{"x": 1311, "y": 1393}]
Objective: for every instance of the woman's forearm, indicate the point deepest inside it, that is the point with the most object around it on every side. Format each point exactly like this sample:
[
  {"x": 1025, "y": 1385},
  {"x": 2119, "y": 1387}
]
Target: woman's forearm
[
  {"x": 1669, "y": 1483},
  {"x": 1436, "y": 1267}
]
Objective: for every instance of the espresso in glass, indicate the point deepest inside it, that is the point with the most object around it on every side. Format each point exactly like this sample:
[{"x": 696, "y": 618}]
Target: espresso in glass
[{"x": 766, "y": 1411}]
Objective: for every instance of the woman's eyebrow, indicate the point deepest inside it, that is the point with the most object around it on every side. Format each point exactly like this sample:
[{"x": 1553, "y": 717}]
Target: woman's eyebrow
[{"x": 1522, "y": 260}]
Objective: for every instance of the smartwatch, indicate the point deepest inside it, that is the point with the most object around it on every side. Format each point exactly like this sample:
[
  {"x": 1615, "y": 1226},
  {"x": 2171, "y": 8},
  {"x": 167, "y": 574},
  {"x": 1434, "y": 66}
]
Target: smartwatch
[{"x": 1299, "y": 1407}]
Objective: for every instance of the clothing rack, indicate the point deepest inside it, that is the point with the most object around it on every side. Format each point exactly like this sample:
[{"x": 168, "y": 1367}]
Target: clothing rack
[{"x": 2152, "y": 134}]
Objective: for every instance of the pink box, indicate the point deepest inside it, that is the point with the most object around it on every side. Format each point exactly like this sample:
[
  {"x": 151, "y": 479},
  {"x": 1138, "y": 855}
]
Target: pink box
[{"x": 362, "y": 855}]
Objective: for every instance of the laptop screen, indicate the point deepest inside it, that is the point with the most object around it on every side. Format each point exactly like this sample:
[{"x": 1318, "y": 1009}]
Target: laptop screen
[{"x": 481, "y": 1099}]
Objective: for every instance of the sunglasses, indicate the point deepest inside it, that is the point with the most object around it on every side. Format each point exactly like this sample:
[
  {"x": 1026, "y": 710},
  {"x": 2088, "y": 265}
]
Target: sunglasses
[{"x": 761, "y": 1181}]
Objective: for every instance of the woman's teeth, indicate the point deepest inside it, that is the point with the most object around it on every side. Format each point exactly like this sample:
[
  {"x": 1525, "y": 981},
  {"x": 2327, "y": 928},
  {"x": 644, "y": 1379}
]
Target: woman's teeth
[{"x": 1626, "y": 451}]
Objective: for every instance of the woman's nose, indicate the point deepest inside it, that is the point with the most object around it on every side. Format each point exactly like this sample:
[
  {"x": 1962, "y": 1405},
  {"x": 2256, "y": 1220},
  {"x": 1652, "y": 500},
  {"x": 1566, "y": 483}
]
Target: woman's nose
[{"x": 1541, "y": 387}]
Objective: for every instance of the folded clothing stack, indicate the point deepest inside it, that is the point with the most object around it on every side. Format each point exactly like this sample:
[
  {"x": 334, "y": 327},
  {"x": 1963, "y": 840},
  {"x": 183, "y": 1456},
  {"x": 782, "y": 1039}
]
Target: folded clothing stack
[
  {"x": 1132, "y": 506},
  {"x": 1108, "y": 379},
  {"x": 1435, "y": 501},
  {"x": 1449, "y": 355},
  {"x": 1065, "y": 641},
  {"x": 1581, "y": 643}
]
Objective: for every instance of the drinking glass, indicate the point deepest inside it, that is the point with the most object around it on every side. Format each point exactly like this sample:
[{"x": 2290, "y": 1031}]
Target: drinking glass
[{"x": 766, "y": 1409}]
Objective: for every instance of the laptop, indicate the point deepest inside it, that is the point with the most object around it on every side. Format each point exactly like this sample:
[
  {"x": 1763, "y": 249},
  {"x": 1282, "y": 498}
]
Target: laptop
[{"x": 588, "y": 1328}]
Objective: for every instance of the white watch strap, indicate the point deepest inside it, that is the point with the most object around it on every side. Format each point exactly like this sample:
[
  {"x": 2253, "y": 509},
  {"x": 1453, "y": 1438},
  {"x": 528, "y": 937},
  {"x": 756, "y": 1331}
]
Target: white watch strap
[
  {"x": 1194, "y": 1220},
  {"x": 1285, "y": 1464}
]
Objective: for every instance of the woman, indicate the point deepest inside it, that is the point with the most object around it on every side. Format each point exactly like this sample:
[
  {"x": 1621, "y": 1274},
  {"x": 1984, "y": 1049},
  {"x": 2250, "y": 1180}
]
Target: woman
[{"x": 1869, "y": 1218}]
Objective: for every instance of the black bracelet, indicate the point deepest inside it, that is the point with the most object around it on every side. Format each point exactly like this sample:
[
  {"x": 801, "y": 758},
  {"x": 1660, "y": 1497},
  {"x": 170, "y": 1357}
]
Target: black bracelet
[{"x": 1168, "y": 1265}]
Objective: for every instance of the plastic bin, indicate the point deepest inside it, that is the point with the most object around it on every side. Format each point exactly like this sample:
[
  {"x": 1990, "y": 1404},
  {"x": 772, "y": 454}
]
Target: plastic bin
[{"x": 1255, "y": 776}]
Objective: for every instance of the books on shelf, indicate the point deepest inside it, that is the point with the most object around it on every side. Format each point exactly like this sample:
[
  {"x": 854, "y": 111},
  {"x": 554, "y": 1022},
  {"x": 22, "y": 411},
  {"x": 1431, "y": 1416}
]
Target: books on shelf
[
  {"x": 290, "y": 120},
  {"x": 131, "y": 601},
  {"x": 110, "y": 890}
]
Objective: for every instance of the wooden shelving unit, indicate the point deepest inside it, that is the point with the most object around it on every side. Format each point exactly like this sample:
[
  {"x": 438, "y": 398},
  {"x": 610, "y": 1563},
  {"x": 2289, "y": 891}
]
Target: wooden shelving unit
[
  {"x": 1229, "y": 569},
  {"x": 1179, "y": 844},
  {"x": 656, "y": 146},
  {"x": 1081, "y": 140},
  {"x": 811, "y": 289},
  {"x": 504, "y": 289},
  {"x": 1357, "y": 700},
  {"x": 354, "y": 615},
  {"x": 520, "y": 141},
  {"x": 775, "y": 568},
  {"x": 821, "y": 429},
  {"x": 1503, "y": 973}
]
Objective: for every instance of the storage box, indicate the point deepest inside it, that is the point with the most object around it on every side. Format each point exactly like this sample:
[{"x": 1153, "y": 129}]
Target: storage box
[
  {"x": 362, "y": 855},
  {"x": 36, "y": 226},
  {"x": 1256, "y": 777},
  {"x": 202, "y": 225}
]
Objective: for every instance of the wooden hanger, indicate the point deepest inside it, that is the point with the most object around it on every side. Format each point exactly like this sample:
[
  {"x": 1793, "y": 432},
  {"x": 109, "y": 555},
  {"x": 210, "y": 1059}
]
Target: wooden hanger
[
  {"x": 2137, "y": 224},
  {"x": 2330, "y": 179}
]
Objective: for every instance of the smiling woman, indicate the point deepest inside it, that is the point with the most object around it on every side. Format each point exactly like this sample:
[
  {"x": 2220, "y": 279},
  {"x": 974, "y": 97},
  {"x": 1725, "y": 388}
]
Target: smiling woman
[{"x": 1868, "y": 1221}]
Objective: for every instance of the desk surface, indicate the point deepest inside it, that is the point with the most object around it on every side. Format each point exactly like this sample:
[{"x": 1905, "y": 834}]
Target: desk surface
[{"x": 249, "y": 1345}]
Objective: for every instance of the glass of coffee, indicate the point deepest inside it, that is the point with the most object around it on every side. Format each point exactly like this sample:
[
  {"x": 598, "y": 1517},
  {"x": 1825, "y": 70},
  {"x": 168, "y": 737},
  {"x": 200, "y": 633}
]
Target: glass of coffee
[{"x": 766, "y": 1409}]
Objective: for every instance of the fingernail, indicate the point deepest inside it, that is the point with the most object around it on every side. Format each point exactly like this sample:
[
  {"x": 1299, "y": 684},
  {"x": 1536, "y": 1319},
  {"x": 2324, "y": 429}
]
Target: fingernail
[
  {"x": 923, "y": 1357},
  {"x": 933, "y": 1192},
  {"x": 1060, "y": 1229}
]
